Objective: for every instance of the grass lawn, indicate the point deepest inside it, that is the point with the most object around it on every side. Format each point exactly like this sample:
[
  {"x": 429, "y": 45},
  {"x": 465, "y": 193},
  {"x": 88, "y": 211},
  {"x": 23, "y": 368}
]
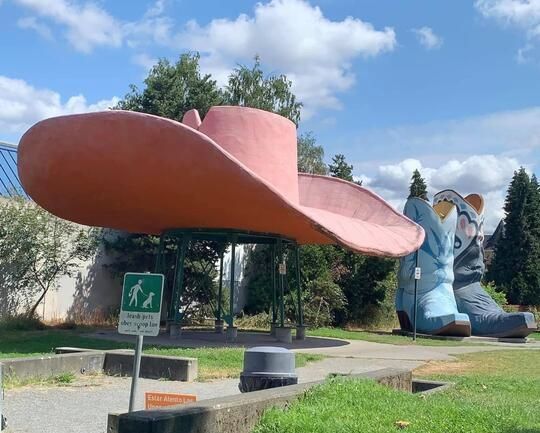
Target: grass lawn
[
  {"x": 214, "y": 363},
  {"x": 384, "y": 338},
  {"x": 495, "y": 392},
  {"x": 535, "y": 336}
]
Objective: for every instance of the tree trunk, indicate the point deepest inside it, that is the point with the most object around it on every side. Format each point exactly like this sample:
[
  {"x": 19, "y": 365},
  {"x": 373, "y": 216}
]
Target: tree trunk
[{"x": 32, "y": 310}]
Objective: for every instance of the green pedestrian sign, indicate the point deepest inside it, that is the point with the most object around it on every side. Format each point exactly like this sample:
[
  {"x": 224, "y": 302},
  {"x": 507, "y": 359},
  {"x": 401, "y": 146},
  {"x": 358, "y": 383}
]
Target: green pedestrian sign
[{"x": 140, "y": 312}]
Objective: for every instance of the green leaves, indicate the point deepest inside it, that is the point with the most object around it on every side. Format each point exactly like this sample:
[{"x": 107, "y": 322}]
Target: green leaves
[
  {"x": 251, "y": 88},
  {"x": 36, "y": 249},
  {"x": 516, "y": 265}
]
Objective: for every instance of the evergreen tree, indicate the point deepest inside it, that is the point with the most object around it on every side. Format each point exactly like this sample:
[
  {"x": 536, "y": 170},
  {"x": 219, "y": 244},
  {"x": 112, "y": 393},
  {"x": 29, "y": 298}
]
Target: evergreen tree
[
  {"x": 530, "y": 291},
  {"x": 340, "y": 168},
  {"x": 516, "y": 264},
  {"x": 418, "y": 187}
]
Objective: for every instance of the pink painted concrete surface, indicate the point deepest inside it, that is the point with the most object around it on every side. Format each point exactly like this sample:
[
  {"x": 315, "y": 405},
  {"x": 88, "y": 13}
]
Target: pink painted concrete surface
[{"x": 146, "y": 174}]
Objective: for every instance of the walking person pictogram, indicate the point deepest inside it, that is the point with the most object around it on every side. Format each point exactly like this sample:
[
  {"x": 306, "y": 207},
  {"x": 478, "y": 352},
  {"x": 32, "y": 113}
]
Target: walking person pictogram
[{"x": 134, "y": 293}]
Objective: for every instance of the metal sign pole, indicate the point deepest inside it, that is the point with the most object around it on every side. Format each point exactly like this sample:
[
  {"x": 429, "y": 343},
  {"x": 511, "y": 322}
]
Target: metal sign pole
[
  {"x": 148, "y": 306},
  {"x": 417, "y": 275},
  {"x": 135, "y": 374},
  {"x": 1, "y": 399}
]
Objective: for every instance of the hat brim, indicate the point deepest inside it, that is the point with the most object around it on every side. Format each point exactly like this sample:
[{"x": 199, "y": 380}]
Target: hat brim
[{"x": 146, "y": 174}]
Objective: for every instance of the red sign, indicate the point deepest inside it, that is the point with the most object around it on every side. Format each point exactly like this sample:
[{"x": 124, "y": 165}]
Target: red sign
[{"x": 153, "y": 400}]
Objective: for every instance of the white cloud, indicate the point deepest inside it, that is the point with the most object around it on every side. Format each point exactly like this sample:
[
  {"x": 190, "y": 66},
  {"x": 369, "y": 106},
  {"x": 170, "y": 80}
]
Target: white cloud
[
  {"x": 291, "y": 37},
  {"x": 512, "y": 133},
  {"x": 22, "y": 105},
  {"x": 427, "y": 38},
  {"x": 521, "y": 14},
  {"x": 524, "y": 14},
  {"x": 32, "y": 23},
  {"x": 294, "y": 38},
  {"x": 488, "y": 175},
  {"x": 87, "y": 25}
]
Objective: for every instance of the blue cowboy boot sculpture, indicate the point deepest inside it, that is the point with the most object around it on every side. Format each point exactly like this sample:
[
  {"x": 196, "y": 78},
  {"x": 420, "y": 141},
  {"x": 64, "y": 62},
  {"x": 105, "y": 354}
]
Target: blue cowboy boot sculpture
[
  {"x": 487, "y": 318},
  {"x": 436, "y": 311}
]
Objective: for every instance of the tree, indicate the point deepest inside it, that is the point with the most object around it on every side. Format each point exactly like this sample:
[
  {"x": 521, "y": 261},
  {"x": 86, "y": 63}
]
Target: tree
[
  {"x": 36, "y": 250},
  {"x": 172, "y": 89},
  {"x": 310, "y": 155},
  {"x": 340, "y": 168},
  {"x": 418, "y": 187},
  {"x": 529, "y": 293},
  {"x": 251, "y": 88},
  {"x": 516, "y": 265}
]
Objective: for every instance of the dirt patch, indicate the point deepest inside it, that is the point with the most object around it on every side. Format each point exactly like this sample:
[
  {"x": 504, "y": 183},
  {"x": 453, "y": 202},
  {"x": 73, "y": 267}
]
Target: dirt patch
[{"x": 444, "y": 367}]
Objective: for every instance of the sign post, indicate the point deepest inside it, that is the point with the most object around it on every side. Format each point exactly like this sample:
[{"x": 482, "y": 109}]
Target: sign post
[
  {"x": 140, "y": 314},
  {"x": 417, "y": 276}
]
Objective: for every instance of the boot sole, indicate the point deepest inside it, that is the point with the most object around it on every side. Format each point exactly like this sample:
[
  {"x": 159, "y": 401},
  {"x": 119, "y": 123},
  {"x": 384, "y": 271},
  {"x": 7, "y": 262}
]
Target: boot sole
[
  {"x": 520, "y": 332},
  {"x": 457, "y": 328}
]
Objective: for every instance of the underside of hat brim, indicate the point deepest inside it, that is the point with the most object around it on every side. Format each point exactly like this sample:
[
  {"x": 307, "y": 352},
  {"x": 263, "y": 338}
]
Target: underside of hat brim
[{"x": 146, "y": 174}]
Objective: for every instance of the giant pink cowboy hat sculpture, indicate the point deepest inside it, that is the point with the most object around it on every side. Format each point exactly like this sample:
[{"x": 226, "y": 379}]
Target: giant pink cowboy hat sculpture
[{"x": 237, "y": 169}]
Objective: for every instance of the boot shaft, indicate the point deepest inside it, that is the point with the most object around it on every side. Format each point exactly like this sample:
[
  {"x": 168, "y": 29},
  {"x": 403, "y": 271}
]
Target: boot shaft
[
  {"x": 435, "y": 256},
  {"x": 468, "y": 246}
]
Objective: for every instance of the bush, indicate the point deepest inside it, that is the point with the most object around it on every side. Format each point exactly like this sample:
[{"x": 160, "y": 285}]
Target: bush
[
  {"x": 257, "y": 321},
  {"x": 497, "y": 296},
  {"x": 21, "y": 323}
]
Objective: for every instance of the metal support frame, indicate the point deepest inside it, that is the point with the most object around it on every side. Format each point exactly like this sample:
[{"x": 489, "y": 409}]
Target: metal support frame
[
  {"x": 178, "y": 287},
  {"x": 231, "y": 297},
  {"x": 299, "y": 287},
  {"x": 281, "y": 286},
  {"x": 273, "y": 278},
  {"x": 220, "y": 288},
  {"x": 235, "y": 237}
]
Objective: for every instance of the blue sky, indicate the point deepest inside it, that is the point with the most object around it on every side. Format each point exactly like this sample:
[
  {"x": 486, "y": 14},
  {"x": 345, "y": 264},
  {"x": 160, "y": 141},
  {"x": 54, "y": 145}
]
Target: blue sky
[{"x": 450, "y": 87}]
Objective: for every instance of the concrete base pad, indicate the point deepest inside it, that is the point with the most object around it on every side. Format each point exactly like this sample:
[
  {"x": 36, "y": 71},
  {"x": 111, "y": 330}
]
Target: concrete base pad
[
  {"x": 284, "y": 334},
  {"x": 273, "y": 329},
  {"x": 301, "y": 332},
  {"x": 219, "y": 326},
  {"x": 175, "y": 330},
  {"x": 472, "y": 339},
  {"x": 232, "y": 333}
]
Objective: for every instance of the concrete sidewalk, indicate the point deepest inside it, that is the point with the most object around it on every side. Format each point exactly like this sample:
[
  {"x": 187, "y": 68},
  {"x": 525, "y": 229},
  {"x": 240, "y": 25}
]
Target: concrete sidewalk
[{"x": 84, "y": 405}]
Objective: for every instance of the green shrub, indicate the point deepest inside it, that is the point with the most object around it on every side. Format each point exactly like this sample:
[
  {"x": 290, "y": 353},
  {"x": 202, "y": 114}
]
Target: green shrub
[
  {"x": 21, "y": 323},
  {"x": 498, "y": 297}
]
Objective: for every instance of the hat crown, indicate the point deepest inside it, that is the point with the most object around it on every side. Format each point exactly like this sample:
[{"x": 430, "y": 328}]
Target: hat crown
[{"x": 264, "y": 142}]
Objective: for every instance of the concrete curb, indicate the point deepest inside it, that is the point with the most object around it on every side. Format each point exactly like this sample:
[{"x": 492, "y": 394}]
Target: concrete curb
[
  {"x": 233, "y": 414},
  {"x": 110, "y": 362}
]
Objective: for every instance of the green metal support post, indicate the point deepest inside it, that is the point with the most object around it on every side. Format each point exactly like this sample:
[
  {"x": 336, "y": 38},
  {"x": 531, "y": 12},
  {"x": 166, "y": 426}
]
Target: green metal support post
[
  {"x": 159, "y": 256},
  {"x": 281, "y": 287},
  {"x": 179, "y": 283},
  {"x": 220, "y": 287},
  {"x": 299, "y": 287},
  {"x": 273, "y": 277},
  {"x": 233, "y": 260}
]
